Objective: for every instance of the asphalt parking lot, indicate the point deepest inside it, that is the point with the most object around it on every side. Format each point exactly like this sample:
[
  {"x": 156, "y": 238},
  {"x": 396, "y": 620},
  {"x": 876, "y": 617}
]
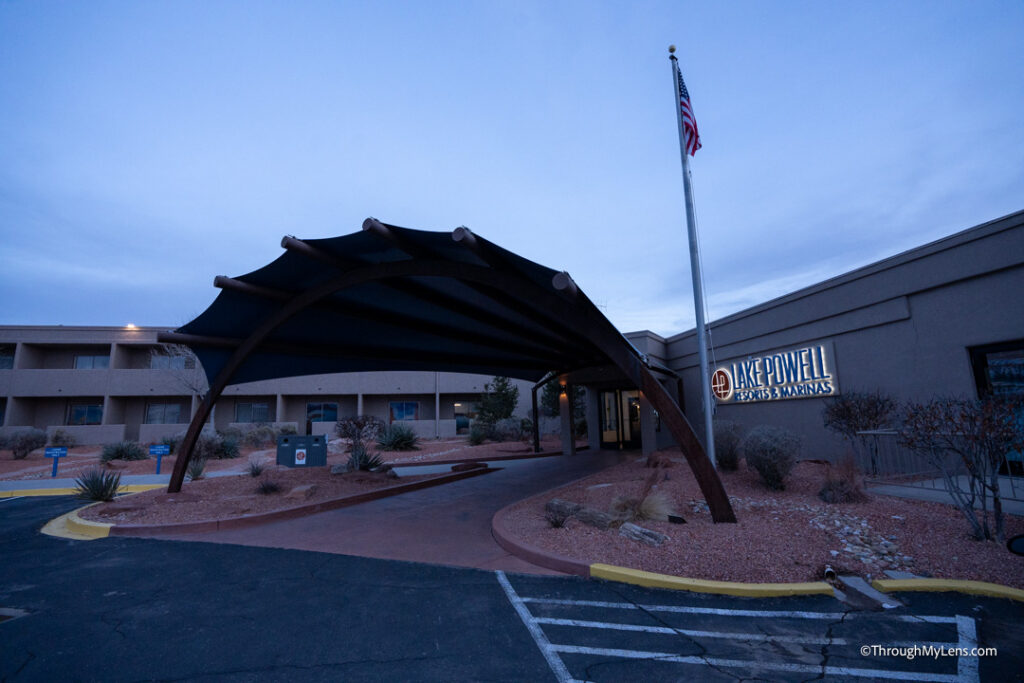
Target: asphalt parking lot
[{"x": 121, "y": 609}]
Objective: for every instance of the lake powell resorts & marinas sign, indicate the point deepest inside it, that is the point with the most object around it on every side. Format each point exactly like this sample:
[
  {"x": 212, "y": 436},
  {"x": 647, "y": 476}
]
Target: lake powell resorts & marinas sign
[{"x": 804, "y": 372}]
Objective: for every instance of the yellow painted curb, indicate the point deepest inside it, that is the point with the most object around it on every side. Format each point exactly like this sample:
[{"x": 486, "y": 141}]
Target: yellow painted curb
[
  {"x": 944, "y": 585},
  {"x": 72, "y": 526},
  {"x": 128, "y": 488},
  {"x": 751, "y": 590}
]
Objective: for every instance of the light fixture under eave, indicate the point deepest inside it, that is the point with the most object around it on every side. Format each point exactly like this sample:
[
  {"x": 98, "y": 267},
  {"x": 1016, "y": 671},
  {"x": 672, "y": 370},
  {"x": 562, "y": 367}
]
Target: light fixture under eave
[{"x": 131, "y": 326}]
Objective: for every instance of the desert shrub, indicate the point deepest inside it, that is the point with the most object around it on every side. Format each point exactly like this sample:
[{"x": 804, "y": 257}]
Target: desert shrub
[
  {"x": 727, "y": 444},
  {"x": 195, "y": 468},
  {"x": 61, "y": 438},
  {"x": 97, "y": 484},
  {"x": 260, "y": 436},
  {"x": 842, "y": 483},
  {"x": 256, "y": 466},
  {"x": 216, "y": 447},
  {"x": 361, "y": 460},
  {"x": 556, "y": 519},
  {"x": 123, "y": 450},
  {"x": 509, "y": 429},
  {"x": 26, "y": 441},
  {"x": 478, "y": 434},
  {"x": 267, "y": 487},
  {"x": 172, "y": 442},
  {"x": 285, "y": 430},
  {"x": 398, "y": 437},
  {"x": 647, "y": 504},
  {"x": 231, "y": 433},
  {"x": 359, "y": 428},
  {"x": 771, "y": 451},
  {"x": 5, "y": 441},
  {"x": 853, "y": 412}
]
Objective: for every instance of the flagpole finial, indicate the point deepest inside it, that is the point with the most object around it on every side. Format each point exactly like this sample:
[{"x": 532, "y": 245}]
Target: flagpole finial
[{"x": 671, "y": 49}]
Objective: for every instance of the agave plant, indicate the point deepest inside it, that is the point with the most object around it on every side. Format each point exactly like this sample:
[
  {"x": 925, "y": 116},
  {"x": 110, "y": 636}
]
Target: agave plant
[
  {"x": 360, "y": 459},
  {"x": 97, "y": 484},
  {"x": 267, "y": 487},
  {"x": 397, "y": 438}
]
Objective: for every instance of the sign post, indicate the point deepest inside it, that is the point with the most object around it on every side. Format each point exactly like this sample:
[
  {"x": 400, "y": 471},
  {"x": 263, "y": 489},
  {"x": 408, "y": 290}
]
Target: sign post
[
  {"x": 159, "y": 450},
  {"x": 56, "y": 454}
]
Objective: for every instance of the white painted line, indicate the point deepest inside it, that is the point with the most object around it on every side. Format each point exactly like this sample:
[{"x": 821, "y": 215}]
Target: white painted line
[
  {"x": 772, "y": 614},
  {"x": 759, "y": 664},
  {"x": 554, "y": 661},
  {"x": 968, "y": 634},
  {"x": 4, "y": 500},
  {"x": 695, "y": 634}
]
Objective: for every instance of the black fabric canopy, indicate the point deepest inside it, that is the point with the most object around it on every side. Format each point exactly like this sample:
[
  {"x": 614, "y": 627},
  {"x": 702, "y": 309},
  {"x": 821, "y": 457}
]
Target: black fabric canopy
[{"x": 405, "y": 307}]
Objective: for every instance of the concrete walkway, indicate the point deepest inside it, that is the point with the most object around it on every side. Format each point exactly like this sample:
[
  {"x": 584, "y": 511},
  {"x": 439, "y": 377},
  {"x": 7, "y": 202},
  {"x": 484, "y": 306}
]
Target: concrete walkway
[{"x": 448, "y": 524}]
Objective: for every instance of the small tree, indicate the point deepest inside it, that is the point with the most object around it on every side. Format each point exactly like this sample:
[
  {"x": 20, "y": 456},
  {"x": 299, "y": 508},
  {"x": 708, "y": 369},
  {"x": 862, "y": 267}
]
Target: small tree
[
  {"x": 854, "y": 412},
  {"x": 956, "y": 435},
  {"x": 499, "y": 400},
  {"x": 359, "y": 429}
]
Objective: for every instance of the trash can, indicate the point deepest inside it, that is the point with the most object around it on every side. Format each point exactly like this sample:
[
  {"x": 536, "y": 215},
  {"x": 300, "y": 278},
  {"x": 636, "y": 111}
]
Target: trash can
[{"x": 302, "y": 451}]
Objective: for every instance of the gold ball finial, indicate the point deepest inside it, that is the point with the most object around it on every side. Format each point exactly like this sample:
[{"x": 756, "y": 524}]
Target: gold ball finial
[{"x": 671, "y": 49}]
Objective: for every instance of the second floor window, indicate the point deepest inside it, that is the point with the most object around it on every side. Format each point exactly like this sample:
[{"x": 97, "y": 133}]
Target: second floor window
[
  {"x": 171, "y": 363},
  {"x": 89, "y": 362},
  {"x": 163, "y": 413},
  {"x": 404, "y": 410},
  {"x": 85, "y": 413},
  {"x": 6, "y": 356}
]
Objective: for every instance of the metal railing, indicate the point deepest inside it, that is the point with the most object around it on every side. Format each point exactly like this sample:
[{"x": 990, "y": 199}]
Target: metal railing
[{"x": 883, "y": 461}]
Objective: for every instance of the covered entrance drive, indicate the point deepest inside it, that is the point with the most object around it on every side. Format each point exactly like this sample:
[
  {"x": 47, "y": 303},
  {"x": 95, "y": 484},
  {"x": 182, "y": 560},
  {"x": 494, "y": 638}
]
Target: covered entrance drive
[{"x": 391, "y": 298}]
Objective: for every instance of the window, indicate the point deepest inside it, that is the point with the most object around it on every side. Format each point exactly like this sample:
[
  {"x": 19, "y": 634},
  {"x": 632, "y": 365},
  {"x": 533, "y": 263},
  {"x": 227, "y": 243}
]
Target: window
[
  {"x": 999, "y": 369},
  {"x": 3, "y": 410},
  {"x": 321, "y": 412},
  {"x": 163, "y": 413},
  {"x": 85, "y": 414},
  {"x": 405, "y": 410},
  {"x": 6, "y": 356},
  {"x": 252, "y": 412},
  {"x": 159, "y": 362},
  {"x": 92, "y": 362}
]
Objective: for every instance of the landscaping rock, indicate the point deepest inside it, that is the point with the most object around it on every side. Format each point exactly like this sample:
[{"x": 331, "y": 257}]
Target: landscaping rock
[
  {"x": 595, "y": 518},
  {"x": 638, "y": 533},
  {"x": 302, "y": 492},
  {"x": 391, "y": 474},
  {"x": 561, "y": 507},
  {"x": 341, "y": 468}
]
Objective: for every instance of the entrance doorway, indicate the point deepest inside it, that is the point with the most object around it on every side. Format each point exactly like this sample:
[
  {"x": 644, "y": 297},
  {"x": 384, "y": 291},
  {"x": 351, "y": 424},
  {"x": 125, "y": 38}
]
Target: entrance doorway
[{"x": 620, "y": 419}]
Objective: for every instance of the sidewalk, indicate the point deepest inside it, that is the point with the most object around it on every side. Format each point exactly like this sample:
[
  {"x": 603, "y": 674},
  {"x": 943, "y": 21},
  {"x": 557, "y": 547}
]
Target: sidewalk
[{"x": 936, "y": 495}]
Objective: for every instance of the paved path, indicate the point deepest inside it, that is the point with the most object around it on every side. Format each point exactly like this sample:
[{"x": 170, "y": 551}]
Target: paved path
[
  {"x": 126, "y": 609},
  {"x": 449, "y": 524}
]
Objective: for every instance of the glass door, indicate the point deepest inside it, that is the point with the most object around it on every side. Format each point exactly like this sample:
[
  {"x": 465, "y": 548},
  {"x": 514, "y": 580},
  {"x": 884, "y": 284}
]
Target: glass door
[{"x": 620, "y": 419}]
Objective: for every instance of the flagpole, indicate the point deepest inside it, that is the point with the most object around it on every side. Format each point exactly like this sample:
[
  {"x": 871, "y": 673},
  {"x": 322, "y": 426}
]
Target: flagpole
[{"x": 698, "y": 288}]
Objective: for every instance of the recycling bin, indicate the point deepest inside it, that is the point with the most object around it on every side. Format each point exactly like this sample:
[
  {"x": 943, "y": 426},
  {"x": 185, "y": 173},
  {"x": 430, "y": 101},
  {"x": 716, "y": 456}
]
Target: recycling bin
[{"x": 302, "y": 451}]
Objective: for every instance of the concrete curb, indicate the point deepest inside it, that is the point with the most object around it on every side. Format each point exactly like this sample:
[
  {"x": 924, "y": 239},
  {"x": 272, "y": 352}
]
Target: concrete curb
[
  {"x": 70, "y": 525},
  {"x": 750, "y": 590},
  {"x": 948, "y": 585},
  {"x": 482, "y": 458},
  {"x": 531, "y": 553},
  {"x": 244, "y": 521},
  {"x": 127, "y": 488}
]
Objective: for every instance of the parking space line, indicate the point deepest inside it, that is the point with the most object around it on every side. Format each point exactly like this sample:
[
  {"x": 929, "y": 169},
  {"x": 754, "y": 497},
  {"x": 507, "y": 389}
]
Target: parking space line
[
  {"x": 762, "y": 664},
  {"x": 774, "y": 614},
  {"x": 967, "y": 667},
  {"x": 5, "y": 500},
  {"x": 554, "y": 661}
]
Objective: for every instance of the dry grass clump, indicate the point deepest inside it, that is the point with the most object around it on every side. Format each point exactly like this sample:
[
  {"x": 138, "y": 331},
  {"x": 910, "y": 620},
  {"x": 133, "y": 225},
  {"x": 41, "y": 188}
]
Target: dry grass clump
[{"x": 649, "y": 504}]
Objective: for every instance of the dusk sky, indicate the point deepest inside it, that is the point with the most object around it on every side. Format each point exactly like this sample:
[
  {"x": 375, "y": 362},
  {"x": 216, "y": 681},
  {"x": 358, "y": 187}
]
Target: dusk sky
[{"x": 146, "y": 147}]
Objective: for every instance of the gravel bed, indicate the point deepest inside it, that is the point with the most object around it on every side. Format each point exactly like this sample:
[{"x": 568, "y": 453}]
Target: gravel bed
[{"x": 781, "y": 536}]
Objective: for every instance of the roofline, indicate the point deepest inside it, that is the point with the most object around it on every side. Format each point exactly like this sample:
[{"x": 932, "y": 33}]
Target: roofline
[{"x": 984, "y": 230}]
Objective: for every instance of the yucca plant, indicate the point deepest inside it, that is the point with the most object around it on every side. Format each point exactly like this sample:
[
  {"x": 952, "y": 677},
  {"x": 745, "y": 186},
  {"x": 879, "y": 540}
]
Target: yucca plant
[
  {"x": 195, "y": 468},
  {"x": 97, "y": 484},
  {"x": 398, "y": 438},
  {"x": 123, "y": 450},
  {"x": 360, "y": 459}
]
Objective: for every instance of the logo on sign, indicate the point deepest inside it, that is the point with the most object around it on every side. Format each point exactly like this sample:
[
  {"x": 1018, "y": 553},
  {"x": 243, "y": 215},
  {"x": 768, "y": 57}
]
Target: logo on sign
[
  {"x": 300, "y": 456},
  {"x": 721, "y": 384}
]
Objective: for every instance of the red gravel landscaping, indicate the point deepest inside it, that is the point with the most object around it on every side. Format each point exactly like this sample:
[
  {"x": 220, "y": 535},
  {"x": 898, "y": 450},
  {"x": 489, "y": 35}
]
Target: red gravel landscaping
[{"x": 781, "y": 536}]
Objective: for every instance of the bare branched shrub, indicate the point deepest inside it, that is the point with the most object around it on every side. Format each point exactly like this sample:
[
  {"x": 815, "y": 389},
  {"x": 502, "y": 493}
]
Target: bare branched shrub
[
  {"x": 854, "y": 412},
  {"x": 728, "y": 435},
  {"x": 25, "y": 441},
  {"x": 843, "y": 483},
  {"x": 772, "y": 452},
  {"x": 968, "y": 441}
]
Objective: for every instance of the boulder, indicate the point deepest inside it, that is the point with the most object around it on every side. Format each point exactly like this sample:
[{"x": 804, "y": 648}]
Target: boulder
[
  {"x": 302, "y": 492},
  {"x": 595, "y": 518},
  {"x": 340, "y": 468},
  {"x": 638, "y": 533},
  {"x": 561, "y": 507}
]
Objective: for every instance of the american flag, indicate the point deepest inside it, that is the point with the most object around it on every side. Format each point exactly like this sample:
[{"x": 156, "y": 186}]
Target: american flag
[{"x": 690, "y": 135}]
